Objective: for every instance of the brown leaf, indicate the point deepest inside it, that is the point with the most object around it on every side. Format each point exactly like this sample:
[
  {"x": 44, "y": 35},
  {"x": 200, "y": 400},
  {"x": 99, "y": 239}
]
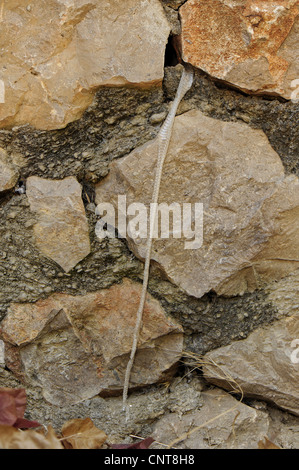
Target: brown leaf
[
  {"x": 267, "y": 444},
  {"x": 12, "y": 408},
  {"x": 82, "y": 434},
  {"x": 13, "y": 438},
  {"x": 23, "y": 423},
  {"x": 144, "y": 444},
  {"x": 12, "y": 405}
]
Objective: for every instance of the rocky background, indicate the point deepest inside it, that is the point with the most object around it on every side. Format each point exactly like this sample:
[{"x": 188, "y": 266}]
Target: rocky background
[{"x": 81, "y": 103}]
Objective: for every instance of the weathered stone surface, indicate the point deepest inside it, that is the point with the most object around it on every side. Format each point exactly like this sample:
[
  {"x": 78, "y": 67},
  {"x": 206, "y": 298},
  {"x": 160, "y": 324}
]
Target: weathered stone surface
[
  {"x": 75, "y": 347},
  {"x": 50, "y": 74},
  {"x": 61, "y": 232},
  {"x": 250, "y": 207},
  {"x": 261, "y": 364},
  {"x": 57, "y": 362},
  {"x": 8, "y": 173},
  {"x": 251, "y": 44},
  {"x": 284, "y": 294},
  {"x": 2, "y": 358},
  {"x": 224, "y": 423}
]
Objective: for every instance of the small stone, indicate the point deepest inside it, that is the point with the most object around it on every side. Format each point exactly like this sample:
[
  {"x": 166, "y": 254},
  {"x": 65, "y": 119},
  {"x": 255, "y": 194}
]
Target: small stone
[
  {"x": 91, "y": 207},
  {"x": 8, "y": 174},
  {"x": 22, "y": 297},
  {"x": 157, "y": 118},
  {"x": 29, "y": 223},
  {"x": 61, "y": 232},
  {"x": 12, "y": 215}
]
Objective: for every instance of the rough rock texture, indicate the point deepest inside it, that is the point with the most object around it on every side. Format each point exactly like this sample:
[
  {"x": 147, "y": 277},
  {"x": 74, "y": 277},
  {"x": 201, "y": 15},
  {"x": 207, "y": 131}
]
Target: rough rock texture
[
  {"x": 50, "y": 74},
  {"x": 261, "y": 364},
  {"x": 224, "y": 423},
  {"x": 121, "y": 118},
  {"x": 75, "y": 347},
  {"x": 2, "y": 357},
  {"x": 284, "y": 294},
  {"x": 61, "y": 232},
  {"x": 8, "y": 173},
  {"x": 251, "y": 44},
  {"x": 147, "y": 409},
  {"x": 250, "y": 207}
]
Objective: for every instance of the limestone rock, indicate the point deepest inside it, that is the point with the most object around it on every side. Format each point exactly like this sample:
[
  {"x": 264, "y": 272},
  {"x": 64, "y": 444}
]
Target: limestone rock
[
  {"x": 75, "y": 347},
  {"x": 8, "y": 172},
  {"x": 58, "y": 363},
  {"x": 2, "y": 358},
  {"x": 61, "y": 232},
  {"x": 250, "y": 208},
  {"x": 251, "y": 44},
  {"x": 49, "y": 75},
  {"x": 224, "y": 423},
  {"x": 284, "y": 294},
  {"x": 261, "y": 364}
]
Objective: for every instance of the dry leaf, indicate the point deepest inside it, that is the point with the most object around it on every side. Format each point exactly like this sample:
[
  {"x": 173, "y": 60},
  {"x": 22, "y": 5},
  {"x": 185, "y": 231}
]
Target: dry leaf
[
  {"x": 12, "y": 408},
  {"x": 267, "y": 444},
  {"x": 144, "y": 444},
  {"x": 82, "y": 434},
  {"x": 13, "y": 438}
]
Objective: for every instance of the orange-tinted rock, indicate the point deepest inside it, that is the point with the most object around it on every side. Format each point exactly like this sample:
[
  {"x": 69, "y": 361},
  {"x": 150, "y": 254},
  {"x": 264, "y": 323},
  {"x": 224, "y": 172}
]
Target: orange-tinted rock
[
  {"x": 75, "y": 347},
  {"x": 252, "y": 44}
]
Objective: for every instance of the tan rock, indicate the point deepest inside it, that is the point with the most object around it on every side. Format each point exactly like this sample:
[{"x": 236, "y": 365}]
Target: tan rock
[
  {"x": 61, "y": 232},
  {"x": 2, "y": 351},
  {"x": 58, "y": 363},
  {"x": 284, "y": 294},
  {"x": 263, "y": 365},
  {"x": 221, "y": 423},
  {"x": 49, "y": 75},
  {"x": 250, "y": 221},
  {"x": 24, "y": 322},
  {"x": 251, "y": 44},
  {"x": 8, "y": 172},
  {"x": 75, "y": 347}
]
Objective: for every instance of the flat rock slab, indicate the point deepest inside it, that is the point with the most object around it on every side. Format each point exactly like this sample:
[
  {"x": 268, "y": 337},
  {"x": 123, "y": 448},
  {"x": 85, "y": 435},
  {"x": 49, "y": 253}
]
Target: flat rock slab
[
  {"x": 76, "y": 347},
  {"x": 61, "y": 232},
  {"x": 250, "y": 208},
  {"x": 263, "y": 365},
  {"x": 251, "y": 44},
  {"x": 221, "y": 422},
  {"x": 49, "y": 75}
]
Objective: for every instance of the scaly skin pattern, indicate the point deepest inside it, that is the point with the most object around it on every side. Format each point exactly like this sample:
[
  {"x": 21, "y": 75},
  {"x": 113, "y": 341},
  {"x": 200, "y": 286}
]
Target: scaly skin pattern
[{"x": 163, "y": 139}]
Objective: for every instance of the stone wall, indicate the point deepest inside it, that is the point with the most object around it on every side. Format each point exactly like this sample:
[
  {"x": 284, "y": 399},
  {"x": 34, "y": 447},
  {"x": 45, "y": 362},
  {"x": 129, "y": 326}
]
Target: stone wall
[{"x": 81, "y": 106}]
